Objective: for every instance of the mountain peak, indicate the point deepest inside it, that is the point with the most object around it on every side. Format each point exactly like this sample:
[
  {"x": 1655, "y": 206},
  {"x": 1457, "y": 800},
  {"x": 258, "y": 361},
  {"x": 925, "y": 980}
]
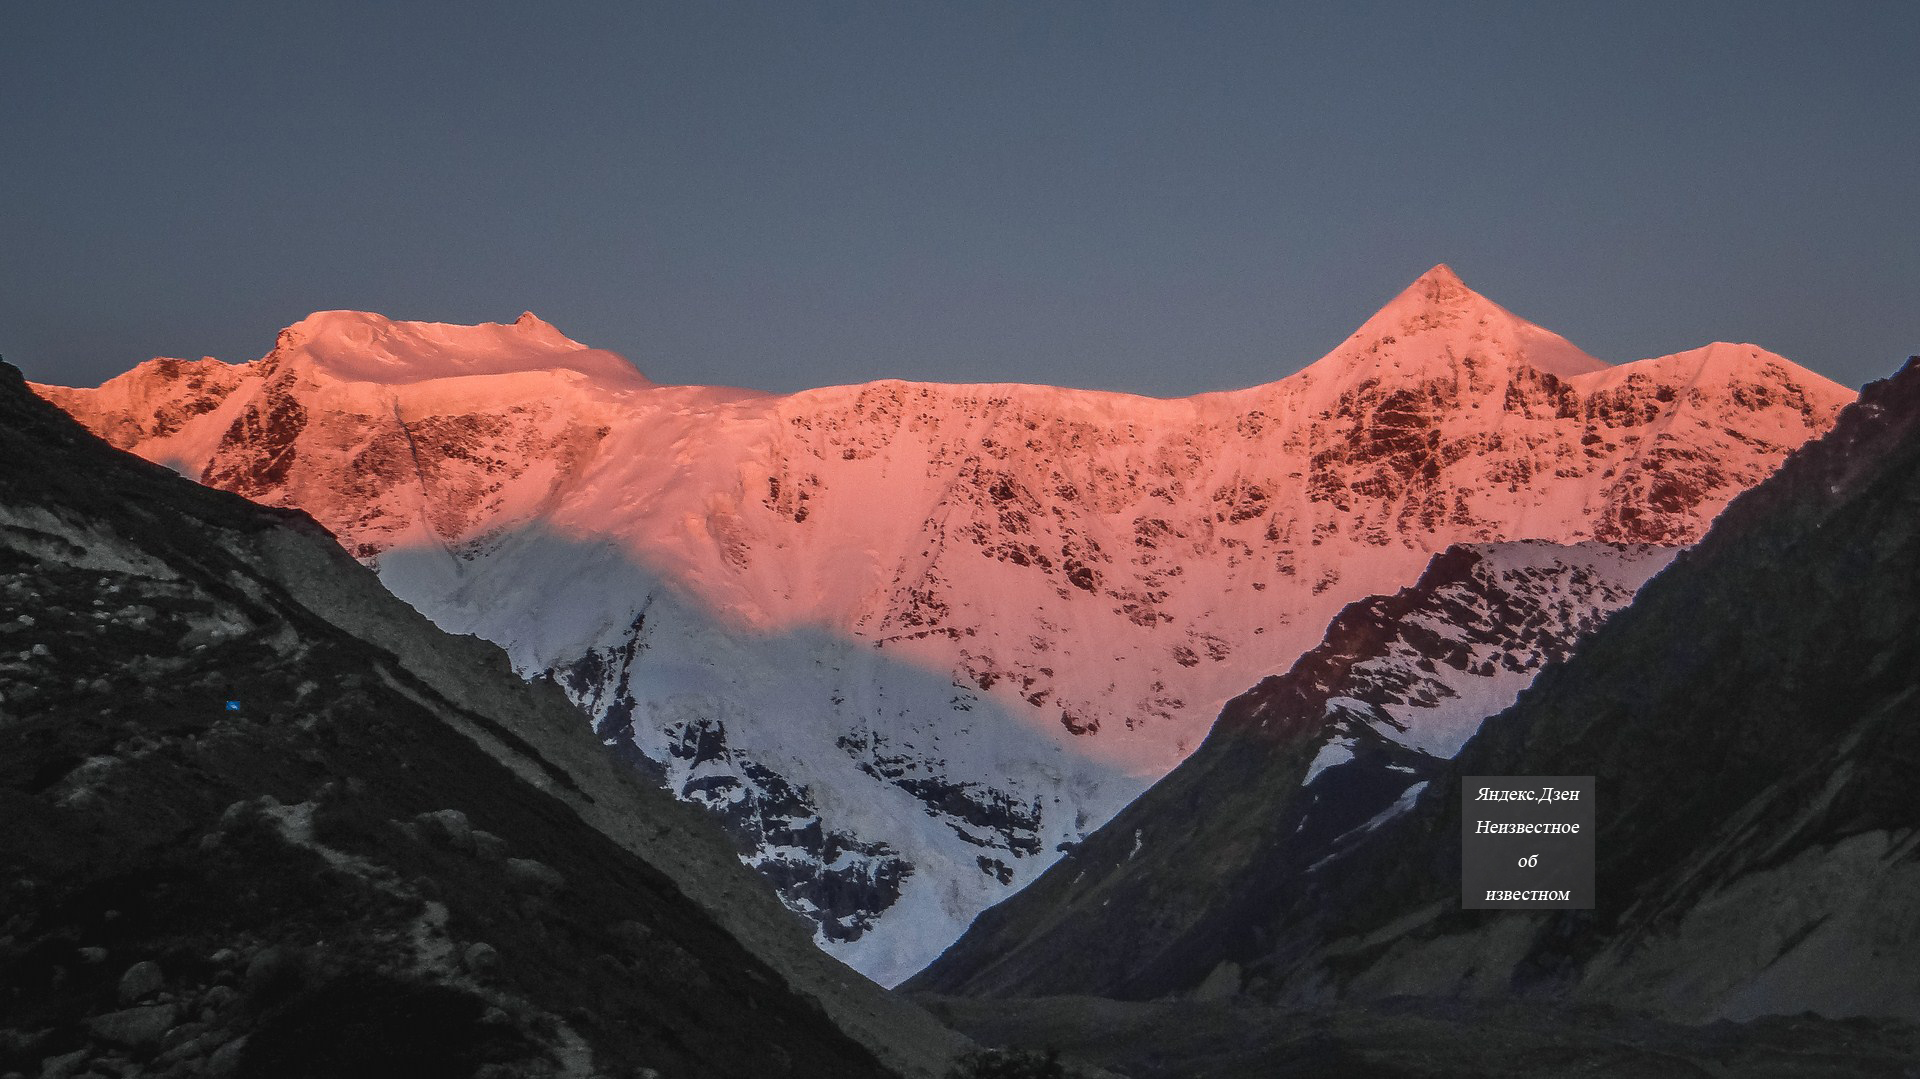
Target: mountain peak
[
  {"x": 360, "y": 346},
  {"x": 1439, "y": 291},
  {"x": 1442, "y": 287},
  {"x": 1437, "y": 322}
]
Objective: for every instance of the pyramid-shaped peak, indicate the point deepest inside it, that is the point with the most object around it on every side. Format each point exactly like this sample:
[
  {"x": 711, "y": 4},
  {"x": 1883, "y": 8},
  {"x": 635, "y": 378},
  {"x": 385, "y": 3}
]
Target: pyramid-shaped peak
[
  {"x": 1435, "y": 300},
  {"x": 1436, "y": 322},
  {"x": 1438, "y": 289},
  {"x": 1441, "y": 282}
]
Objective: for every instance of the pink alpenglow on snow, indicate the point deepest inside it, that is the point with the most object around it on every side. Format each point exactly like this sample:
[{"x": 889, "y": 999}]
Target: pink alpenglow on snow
[
  {"x": 354, "y": 346},
  {"x": 965, "y": 623}
]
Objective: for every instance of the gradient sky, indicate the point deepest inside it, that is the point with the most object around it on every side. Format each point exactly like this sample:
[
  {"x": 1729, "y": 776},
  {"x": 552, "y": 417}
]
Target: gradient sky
[{"x": 1162, "y": 199}]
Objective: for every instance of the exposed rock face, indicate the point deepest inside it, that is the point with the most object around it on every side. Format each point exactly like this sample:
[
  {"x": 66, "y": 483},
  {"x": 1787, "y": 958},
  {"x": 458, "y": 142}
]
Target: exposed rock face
[
  {"x": 940, "y": 631},
  {"x": 1170, "y": 896},
  {"x": 265, "y": 819},
  {"x": 1752, "y": 722}
]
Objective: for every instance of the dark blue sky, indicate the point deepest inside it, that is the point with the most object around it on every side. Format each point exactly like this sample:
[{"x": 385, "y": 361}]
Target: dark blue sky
[{"x": 1162, "y": 199}]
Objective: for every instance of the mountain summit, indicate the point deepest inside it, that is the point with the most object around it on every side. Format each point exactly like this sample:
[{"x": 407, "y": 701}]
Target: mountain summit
[
  {"x": 1437, "y": 327},
  {"x": 911, "y": 641},
  {"x": 355, "y": 346},
  {"x": 1749, "y": 720}
]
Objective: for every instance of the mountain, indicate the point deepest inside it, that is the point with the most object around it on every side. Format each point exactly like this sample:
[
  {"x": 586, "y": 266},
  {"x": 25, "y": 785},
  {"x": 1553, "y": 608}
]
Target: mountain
[
  {"x": 1294, "y": 771},
  {"x": 264, "y": 819},
  {"x": 1751, "y": 719},
  {"x": 910, "y": 641}
]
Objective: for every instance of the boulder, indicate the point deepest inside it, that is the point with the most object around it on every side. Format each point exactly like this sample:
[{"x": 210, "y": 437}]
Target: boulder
[
  {"x": 142, "y": 980},
  {"x": 448, "y": 828},
  {"x": 135, "y": 1028},
  {"x": 534, "y": 876}
]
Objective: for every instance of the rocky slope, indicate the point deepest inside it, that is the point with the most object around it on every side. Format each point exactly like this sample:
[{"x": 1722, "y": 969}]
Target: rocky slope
[
  {"x": 1752, "y": 721},
  {"x": 1412, "y": 1038},
  {"x": 910, "y": 640},
  {"x": 263, "y": 819},
  {"x": 1295, "y": 771}
]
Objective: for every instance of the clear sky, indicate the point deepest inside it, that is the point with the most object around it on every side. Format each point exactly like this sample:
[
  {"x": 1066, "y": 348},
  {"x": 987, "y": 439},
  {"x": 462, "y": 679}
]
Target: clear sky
[{"x": 1157, "y": 198}]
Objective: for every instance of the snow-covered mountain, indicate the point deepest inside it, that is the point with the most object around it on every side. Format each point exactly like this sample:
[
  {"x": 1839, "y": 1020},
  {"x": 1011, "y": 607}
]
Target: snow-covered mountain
[
  {"x": 1750, "y": 720},
  {"x": 1162, "y": 899},
  {"x": 264, "y": 819},
  {"x": 910, "y": 640}
]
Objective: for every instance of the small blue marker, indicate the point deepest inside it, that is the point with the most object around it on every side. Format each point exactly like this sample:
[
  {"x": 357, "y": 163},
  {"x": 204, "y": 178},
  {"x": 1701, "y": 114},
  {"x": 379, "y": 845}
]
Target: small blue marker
[{"x": 233, "y": 706}]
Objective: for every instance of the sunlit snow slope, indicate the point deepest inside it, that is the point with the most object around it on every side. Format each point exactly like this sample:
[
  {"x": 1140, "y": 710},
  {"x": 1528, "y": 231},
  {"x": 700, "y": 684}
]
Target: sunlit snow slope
[{"x": 909, "y": 639}]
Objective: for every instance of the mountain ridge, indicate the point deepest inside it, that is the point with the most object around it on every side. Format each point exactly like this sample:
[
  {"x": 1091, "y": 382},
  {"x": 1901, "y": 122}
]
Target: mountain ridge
[
  {"x": 334, "y": 836},
  {"x": 1292, "y": 772},
  {"x": 1015, "y": 605},
  {"x": 1749, "y": 720}
]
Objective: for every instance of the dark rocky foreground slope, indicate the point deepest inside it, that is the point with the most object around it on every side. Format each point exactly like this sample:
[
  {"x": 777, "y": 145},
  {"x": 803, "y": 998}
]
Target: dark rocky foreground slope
[
  {"x": 1296, "y": 770},
  {"x": 1428, "y": 1038},
  {"x": 389, "y": 855},
  {"x": 1753, "y": 719}
]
